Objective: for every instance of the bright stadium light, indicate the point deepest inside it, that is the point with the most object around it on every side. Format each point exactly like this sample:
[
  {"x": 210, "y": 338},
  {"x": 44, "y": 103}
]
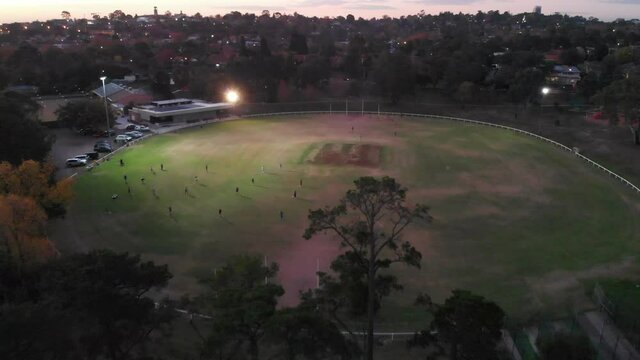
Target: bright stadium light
[
  {"x": 232, "y": 96},
  {"x": 545, "y": 90}
]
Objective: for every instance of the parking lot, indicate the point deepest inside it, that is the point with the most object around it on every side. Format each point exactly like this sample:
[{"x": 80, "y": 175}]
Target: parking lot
[{"x": 69, "y": 144}]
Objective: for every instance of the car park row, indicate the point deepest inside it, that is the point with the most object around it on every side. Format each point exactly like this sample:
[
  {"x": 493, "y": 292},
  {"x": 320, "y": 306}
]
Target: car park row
[{"x": 105, "y": 145}]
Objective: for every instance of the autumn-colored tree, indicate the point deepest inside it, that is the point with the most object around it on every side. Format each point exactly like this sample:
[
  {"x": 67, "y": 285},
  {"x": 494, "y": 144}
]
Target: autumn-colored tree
[
  {"x": 23, "y": 239},
  {"x": 35, "y": 180}
]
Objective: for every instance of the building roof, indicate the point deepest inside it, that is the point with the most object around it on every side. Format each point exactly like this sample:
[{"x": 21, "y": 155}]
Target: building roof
[
  {"x": 125, "y": 98},
  {"x": 171, "y": 102},
  {"x": 23, "y": 89},
  {"x": 565, "y": 69},
  {"x": 180, "y": 107},
  {"x": 111, "y": 89}
]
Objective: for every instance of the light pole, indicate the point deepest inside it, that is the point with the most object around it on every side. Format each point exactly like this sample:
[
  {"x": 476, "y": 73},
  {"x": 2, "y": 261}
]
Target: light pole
[
  {"x": 544, "y": 91},
  {"x": 106, "y": 108}
]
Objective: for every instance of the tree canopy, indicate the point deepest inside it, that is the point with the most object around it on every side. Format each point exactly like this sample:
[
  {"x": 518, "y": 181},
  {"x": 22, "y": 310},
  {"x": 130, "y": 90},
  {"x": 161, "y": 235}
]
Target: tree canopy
[
  {"x": 89, "y": 306},
  {"x": 241, "y": 299},
  {"x": 369, "y": 221},
  {"x": 565, "y": 346},
  {"x": 84, "y": 114},
  {"x": 22, "y": 137},
  {"x": 36, "y": 180},
  {"x": 467, "y": 325}
]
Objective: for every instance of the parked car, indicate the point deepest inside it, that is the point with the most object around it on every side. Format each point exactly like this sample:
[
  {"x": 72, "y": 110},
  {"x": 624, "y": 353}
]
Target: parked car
[
  {"x": 123, "y": 138},
  {"x": 86, "y": 131},
  {"x": 74, "y": 162},
  {"x": 141, "y": 128},
  {"x": 134, "y": 134},
  {"x": 84, "y": 157},
  {"x": 105, "y": 133},
  {"x": 131, "y": 127},
  {"x": 93, "y": 155},
  {"x": 102, "y": 147}
]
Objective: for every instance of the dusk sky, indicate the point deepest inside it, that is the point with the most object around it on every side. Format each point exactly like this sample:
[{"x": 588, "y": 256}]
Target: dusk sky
[{"x": 29, "y": 10}]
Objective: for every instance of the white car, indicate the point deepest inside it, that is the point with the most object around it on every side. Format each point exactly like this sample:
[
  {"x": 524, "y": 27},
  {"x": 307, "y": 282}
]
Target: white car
[
  {"x": 134, "y": 134},
  {"x": 73, "y": 162},
  {"x": 141, "y": 128},
  {"x": 82, "y": 157},
  {"x": 123, "y": 138}
]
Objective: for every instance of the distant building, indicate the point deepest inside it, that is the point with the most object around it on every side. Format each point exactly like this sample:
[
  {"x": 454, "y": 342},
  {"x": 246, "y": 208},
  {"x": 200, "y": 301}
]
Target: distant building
[
  {"x": 563, "y": 75},
  {"x": 109, "y": 90},
  {"x": 537, "y": 9},
  {"x": 121, "y": 96},
  {"x": 178, "y": 110},
  {"x": 23, "y": 89}
]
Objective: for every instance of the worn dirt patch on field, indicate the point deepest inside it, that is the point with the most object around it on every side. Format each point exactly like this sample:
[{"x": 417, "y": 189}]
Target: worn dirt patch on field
[
  {"x": 300, "y": 262},
  {"x": 367, "y": 155}
]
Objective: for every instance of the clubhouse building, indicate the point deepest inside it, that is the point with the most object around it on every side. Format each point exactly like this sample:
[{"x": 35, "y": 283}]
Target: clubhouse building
[{"x": 178, "y": 110}]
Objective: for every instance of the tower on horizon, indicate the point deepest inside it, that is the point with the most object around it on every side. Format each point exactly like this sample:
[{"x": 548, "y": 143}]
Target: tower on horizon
[
  {"x": 155, "y": 11},
  {"x": 537, "y": 9}
]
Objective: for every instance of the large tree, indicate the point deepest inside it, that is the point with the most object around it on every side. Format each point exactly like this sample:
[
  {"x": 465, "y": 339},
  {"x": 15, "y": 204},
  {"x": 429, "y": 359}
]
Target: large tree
[
  {"x": 369, "y": 221},
  {"x": 302, "y": 332},
  {"x": 22, "y": 137},
  {"x": 242, "y": 300},
  {"x": 23, "y": 240},
  {"x": 566, "y": 346},
  {"x": 526, "y": 85},
  {"x": 84, "y": 114},
  {"x": 35, "y": 180},
  {"x": 83, "y": 306},
  {"x": 394, "y": 74},
  {"x": 467, "y": 325},
  {"x": 621, "y": 96}
]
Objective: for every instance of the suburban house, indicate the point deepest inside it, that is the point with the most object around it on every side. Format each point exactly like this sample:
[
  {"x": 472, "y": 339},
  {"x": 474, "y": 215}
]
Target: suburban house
[{"x": 564, "y": 75}]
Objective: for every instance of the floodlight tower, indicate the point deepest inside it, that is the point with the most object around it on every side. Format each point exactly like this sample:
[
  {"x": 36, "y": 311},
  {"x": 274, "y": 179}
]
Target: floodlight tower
[
  {"x": 106, "y": 108},
  {"x": 232, "y": 96}
]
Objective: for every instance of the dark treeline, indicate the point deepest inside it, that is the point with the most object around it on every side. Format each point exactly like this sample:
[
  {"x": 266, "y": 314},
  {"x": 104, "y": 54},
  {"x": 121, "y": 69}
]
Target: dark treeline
[{"x": 487, "y": 56}]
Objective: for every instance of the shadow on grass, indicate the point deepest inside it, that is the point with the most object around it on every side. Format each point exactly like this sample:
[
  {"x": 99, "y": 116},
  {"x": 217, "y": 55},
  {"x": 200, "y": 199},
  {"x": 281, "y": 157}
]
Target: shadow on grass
[{"x": 203, "y": 185}]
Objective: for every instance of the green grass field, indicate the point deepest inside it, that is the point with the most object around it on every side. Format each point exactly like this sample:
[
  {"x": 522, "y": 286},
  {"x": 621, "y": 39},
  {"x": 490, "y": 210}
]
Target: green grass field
[{"x": 515, "y": 219}]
